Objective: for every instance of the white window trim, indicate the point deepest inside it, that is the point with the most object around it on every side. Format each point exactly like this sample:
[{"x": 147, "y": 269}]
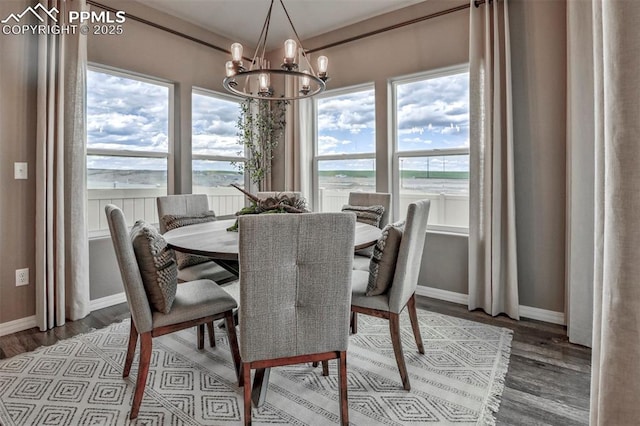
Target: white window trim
[
  {"x": 397, "y": 155},
  {"x": 315, "y": 178},
  {"x": 169, "y": 155},
  {"x": 139, "y": 153}
]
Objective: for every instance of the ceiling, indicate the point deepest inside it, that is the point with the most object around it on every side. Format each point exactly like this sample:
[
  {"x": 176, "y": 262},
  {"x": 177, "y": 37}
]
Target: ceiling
[{"x": 242, "y": 20}]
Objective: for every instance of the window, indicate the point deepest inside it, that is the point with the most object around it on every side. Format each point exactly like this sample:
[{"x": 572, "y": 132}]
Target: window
[
  {"x": 431, "y": 160},
  {"x": 215, "y": 148},
  {"x": 344, "y": 158},
  {"x": 128, "y": 145}
]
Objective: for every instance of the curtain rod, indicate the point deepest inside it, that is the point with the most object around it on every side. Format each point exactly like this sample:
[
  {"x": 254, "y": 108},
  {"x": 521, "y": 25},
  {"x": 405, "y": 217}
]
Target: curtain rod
[
  {"x": 477, "y": 3},
  {"x": 396, "y": 26},
  {"x": 163, "y": 28}
]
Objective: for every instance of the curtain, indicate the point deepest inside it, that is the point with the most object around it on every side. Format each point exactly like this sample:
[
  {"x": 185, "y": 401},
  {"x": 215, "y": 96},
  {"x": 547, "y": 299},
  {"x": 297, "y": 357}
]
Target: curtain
[
  {"x": 62, "y": 248},
  {"x": 493, "y": 272},
  {"x": 580, "y": 173},
  {"x": 615, "y": 370}
]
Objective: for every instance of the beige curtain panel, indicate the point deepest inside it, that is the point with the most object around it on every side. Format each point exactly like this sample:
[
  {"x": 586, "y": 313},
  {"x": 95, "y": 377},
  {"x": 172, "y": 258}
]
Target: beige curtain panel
[
  {"x": 493, "y": 272},
  {"x": 615, "y": 377},
  {"x": 62, "y": 248}
]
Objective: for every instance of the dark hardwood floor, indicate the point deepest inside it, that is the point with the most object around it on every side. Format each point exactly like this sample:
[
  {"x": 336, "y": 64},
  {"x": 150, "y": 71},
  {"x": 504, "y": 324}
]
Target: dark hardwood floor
[{"x": 547, "y": 383}]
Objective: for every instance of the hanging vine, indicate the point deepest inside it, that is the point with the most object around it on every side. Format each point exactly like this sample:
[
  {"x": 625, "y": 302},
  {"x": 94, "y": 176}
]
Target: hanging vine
[{"x": 260, "y": 127}]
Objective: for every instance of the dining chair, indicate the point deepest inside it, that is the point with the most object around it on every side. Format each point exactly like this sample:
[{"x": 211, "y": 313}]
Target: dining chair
[
  {"x": 367, "y": 199},
  {"x": 362, "y": 258},
  {"x": 196, "y": 303},
  {"x": 187, "y": 206},
  {"x": 402, "y": 290},
  {"x": 295, "y": 291}
]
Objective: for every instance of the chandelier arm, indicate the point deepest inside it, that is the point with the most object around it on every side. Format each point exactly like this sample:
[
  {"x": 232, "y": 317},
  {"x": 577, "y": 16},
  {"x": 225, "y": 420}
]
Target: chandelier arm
[
  {"x": 304, "y": 53},
  {"x": 262, "y": 40},
  {"x": 266, "y": 34}
]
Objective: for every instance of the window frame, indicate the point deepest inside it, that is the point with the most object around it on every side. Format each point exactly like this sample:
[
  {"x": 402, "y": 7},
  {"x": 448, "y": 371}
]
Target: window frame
[
  {"x": 210, "y": 157},
  {"x": 315, "y": 178},
  {"x": 170, "y": 130},
  {"x": 224, "y": 97},
  {"x": 168, "y": 155},
  {"x": 436, "y": 152}
]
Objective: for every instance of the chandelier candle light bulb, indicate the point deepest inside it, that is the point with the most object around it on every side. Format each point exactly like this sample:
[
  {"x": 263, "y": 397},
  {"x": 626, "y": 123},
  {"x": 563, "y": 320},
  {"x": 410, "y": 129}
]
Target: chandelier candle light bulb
[
  {"x": 305, "y": 81},
  {"x": 290, "y": 47},
  {"x": 263, "y": 78},
  {"x": 230, "y": 69},
  {"x": 236, "y": 53},
  {"x": 323, "y": 64}
]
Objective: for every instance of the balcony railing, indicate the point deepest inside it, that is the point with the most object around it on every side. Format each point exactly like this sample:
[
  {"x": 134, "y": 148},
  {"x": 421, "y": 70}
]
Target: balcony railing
[{"x": 446, "y": 209}]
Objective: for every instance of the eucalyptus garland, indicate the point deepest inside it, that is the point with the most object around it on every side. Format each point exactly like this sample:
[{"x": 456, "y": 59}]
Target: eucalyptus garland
[{"x": 260, "y": 128}]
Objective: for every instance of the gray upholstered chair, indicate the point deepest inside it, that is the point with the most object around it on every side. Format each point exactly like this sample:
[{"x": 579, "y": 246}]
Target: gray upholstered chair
[
  {"x": 189, "y": 204},
  {"x": 362, "y": 258},
  {"x": 196, "y": 303},
  {"x": 401, "y": 294},
  {"x": 185, "y": 205},
  {"x": 295, "y": 293}
]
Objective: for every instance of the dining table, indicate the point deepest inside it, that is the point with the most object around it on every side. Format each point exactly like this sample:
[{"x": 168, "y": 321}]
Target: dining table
[{"x": 213, "y": 240}]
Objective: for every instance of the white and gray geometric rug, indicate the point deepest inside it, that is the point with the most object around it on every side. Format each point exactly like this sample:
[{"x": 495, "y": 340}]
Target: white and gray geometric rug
[{"x": 79, "y": 381}]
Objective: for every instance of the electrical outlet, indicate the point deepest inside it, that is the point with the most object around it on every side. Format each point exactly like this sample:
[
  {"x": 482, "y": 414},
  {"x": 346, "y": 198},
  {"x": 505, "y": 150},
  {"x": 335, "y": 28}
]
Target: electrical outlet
[{"x": 22, "y": 277}]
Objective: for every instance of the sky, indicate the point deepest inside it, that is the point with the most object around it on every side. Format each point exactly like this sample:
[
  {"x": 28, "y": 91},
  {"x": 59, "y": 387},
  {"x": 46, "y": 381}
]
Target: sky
[
  {"x": 431, "y": 114},
  {"x": 124, "y": 113}
]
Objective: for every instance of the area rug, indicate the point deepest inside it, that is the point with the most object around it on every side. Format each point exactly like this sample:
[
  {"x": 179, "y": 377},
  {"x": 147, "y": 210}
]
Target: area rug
[{"x": 79, "y": 381}]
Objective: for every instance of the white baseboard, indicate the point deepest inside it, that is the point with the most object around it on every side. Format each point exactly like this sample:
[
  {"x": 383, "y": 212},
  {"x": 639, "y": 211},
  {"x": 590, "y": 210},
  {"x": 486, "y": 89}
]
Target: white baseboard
[
  {"x": 542, "y": 315},
  {"x": 463, "y": 299},
  {"x": 18, "y": 325},
  {"x": 439, "y": 294},
  {"x": 30, "y": 322},
  {"x": 105, "y": 302}
]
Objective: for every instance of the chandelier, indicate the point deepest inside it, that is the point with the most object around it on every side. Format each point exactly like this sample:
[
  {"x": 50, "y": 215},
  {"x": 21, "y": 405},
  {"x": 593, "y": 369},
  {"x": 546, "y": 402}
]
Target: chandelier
[{"x": 259, "y": 80}]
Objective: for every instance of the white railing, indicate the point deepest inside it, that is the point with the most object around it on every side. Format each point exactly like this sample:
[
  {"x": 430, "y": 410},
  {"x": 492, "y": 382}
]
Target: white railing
[
  {"x": 135, "y": 204},
  {"x": 140, "y": 203},
  {"x": 446, "y": 209}
]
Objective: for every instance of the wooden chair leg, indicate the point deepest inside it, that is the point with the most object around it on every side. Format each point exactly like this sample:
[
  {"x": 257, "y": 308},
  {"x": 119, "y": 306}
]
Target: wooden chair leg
[
  {"x": 325, "y": 368},
  {"x": 394, "y": 328},
  {"x": 131, "y": 349},
  {"x": 200, "y": 328},
  {"x": 143, "y": 370},
  {"x": 413, "y": 316},
  {"x": 212, "y": 334},
  {"x": 354, "y": 323},
  {"x": 247, "y": 392},
  {"x": 233, "y": 345},
  {"x": 342, "y": 379}
]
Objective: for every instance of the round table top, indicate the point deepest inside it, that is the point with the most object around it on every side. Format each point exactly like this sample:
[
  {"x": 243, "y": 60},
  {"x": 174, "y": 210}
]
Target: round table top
[{"x": 212, "y": 239}]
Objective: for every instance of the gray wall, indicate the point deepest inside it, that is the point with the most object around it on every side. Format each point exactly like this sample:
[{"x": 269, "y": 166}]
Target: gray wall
[
  {"x": 538, "y": 36},
  {"x": 18, "y": 73}
]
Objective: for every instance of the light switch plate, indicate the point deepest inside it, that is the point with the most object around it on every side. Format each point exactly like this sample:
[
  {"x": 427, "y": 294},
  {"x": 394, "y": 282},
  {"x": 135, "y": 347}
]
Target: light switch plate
[{"x": 21, "y": 170}]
